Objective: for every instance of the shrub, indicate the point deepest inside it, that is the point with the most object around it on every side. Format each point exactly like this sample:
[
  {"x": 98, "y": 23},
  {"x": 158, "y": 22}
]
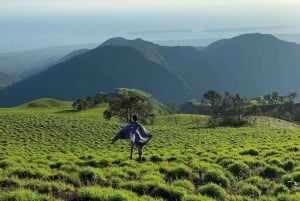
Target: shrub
[
  {"x": 225, "y": 162},
  {"x": 185, "y": 184},
  {"x": 251, "y": 152},
  {"x": 24, "y": 173},
  {"x": 89, "y": 175},
  {"x": 274, "y": 161},
  {"x": 197, "y": 198},
  {"x": 288, "y": 197},
  {"x": 180, "y": 172},
  {"x": 23, "y": 195},
  {"x": 217, "y": 177},
  {"x": 9, "y": 183},
  {"x": 280, "y": 189},
  {"x": 156, "y": 158},
  {"x": 264, "y": 185},
  {"x": 94, "y": 193},
  {"x": 239, "y": 169},
  {"x": 293, "y": 149},
  {"x": 288, "y": 165},
  {"x": 271, "y": 172},
  {"x": 250, "y": 191},
  {"x": 291, "y": 180},
  {"x": 214, "y": 191},
  {"x": 155, "y": 189},
  {"x": 4, "y": 164}
]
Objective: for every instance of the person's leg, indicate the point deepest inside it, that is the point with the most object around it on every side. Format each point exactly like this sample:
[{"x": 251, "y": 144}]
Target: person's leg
[{"x": 131, "y": 150}]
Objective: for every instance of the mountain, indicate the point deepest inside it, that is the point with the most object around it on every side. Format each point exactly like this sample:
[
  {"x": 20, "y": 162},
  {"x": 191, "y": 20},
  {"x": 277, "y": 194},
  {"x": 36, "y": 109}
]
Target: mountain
[
  {"x": 17, "y": 63},
  {"x": 35, "y": 70},
  {"x": 179, "y": 59},
  {"x": 251, "y": 64},
  {"x": 101, "y": 69},
  {"x": 6, "y": 79}
]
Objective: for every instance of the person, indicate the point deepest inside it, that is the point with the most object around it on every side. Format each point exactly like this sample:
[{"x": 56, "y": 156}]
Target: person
[{"x": 136, "y": 133}]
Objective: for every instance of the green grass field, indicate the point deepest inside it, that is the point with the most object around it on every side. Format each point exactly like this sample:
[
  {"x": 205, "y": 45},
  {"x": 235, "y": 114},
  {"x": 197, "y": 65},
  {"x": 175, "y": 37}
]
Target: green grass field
[{"x": 48, "y": 152}]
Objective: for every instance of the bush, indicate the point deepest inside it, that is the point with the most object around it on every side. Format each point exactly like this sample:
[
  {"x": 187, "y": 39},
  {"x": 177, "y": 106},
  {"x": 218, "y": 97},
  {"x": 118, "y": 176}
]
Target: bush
[
  {"x": 291, "y": 179},
  {"x": 250, "y": 191},
  {"x": 264, "y": 185},
  {"x": 217, "y": 177},
  {"x": 88, "y": 176},
  {"x": 251, "y": 152},
  {"x": 197, "y": 198},
  {"x": 26, "y": 174},
  {"x": 155, "y": 189},
  {"x": 225, "y": 162},
  {"x": 181, "y": 172},
  {"x": 288, "y": 197},
  {"x": 156, "y": 158},
  {"x": 280, "y": 189},
  {"x": 94, "y": 193},
  {"x": 239, "y": 169},
  {"x": 288, "y": 165},
  {"x": 214, "y": 191},
  {"x": 185, "y": 184},
  {"x": 271, "y": 172},
  {"x": 8, "y": 183},
  {"x": 23, "y": 195}
]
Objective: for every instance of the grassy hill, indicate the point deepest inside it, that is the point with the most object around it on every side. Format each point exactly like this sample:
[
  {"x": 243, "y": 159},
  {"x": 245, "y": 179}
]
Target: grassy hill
[{"x": 50, "y": 154}]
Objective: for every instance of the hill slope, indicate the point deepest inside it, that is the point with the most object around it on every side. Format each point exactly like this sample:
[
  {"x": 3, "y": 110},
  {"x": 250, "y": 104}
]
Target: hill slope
[
  {"x": 102, "y": 69},
  {"x": 252, "y": 64}
]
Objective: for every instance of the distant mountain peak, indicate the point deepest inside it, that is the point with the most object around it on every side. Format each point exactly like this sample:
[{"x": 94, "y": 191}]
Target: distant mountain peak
[
  {"x": 246, "y": 40},
  {"x": 119, "y": 41}
]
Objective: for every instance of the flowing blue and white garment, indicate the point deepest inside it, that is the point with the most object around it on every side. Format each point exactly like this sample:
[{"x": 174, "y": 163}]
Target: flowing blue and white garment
[{"x": 136, "y": 133}]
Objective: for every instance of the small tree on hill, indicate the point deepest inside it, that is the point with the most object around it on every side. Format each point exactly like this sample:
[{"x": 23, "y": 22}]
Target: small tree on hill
[
  {"x": 215, "y": 100},
  {"x": 124, "y": 105}
]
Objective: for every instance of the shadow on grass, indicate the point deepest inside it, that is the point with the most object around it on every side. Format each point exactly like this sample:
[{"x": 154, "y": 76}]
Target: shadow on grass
[{"x": 67, "y": 111}]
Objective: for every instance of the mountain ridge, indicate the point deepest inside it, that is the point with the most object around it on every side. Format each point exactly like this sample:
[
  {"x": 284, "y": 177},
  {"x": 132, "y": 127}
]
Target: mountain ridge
[{"x": 251, "y": 64}]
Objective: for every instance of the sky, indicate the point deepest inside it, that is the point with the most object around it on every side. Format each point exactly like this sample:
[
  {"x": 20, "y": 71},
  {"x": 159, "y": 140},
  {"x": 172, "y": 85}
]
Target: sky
[{"x": 29, "y": 24}]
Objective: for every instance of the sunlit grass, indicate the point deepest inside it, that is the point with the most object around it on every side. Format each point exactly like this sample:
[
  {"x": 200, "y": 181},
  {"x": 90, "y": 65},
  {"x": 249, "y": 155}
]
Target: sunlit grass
[{"x": 54, "y": 153}]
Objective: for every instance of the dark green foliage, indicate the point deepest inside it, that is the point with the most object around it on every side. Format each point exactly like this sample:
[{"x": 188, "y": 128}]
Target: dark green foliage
[
  {"x": 124, "y": 105},
  {"x": 88, "y": 176},
  {"x": 94, "y": 193},
  {"x": 239, "y": 169},
  {"x": 280, "y": 189},
  {"x": 156, "y": 158},
  {"x": 264, "y": 185},
  {"x": 4, "y": 164},
  {"x": 230, "y": 109},
  {"x": 214, "y": 191},
  {"x": 27, "y": 174},
  {"x": 271, "y": 172},
  {"x": 250, "y": 191},
  {"x": 8, "y": 183},
  {"x": 155, "y": 190},
  {"x": 181, "y": 172},
  {"x": 288, "y": 165},
  {"x": 251, "y": 152},
  {"x": 217, "y": 177}
]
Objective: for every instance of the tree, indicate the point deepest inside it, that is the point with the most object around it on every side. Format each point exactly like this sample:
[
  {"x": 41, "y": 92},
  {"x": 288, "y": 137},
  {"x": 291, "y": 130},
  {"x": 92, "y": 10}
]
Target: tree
[
  {"x": 125, "y": 104},
  {"x": 214, "y": 99},
  {"x": 227, "y": 110}
]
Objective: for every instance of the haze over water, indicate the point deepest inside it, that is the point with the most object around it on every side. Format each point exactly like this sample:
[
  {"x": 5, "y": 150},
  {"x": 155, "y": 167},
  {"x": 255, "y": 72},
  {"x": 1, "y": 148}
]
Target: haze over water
[{"x": 30, "y": 24}]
